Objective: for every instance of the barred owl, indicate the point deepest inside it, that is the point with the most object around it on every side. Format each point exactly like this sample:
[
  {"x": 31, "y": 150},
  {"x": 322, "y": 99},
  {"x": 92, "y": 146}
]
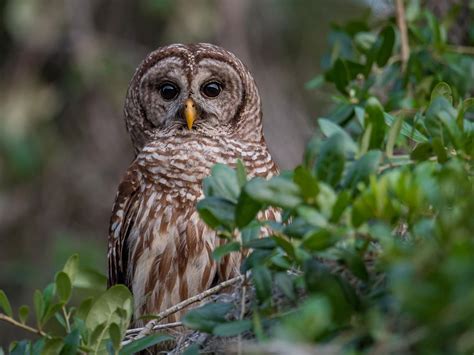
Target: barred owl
[{"x": 188, "y": 107}]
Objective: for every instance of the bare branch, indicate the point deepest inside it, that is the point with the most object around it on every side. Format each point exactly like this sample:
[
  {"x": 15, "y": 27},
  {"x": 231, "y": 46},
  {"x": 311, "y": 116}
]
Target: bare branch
[
  {"x": 131, "y": 332},
  {"x": 153, "y": 325},
  {"x": 17, "y": 324},
  {"x": 402, "y": 26}
]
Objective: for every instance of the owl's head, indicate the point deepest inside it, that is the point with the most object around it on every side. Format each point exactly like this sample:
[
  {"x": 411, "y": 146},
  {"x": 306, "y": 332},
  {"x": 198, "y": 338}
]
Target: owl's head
[{"x": 197, "y": 89}]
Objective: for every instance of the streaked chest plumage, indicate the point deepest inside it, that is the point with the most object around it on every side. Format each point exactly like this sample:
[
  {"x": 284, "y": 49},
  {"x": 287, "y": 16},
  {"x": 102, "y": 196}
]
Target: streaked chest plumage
[{"x": 170, "y": 247}]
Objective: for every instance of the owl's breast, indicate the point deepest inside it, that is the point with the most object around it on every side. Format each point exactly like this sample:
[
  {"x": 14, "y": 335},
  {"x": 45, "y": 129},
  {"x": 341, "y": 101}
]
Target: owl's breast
[{"x": 184, "y": 163}]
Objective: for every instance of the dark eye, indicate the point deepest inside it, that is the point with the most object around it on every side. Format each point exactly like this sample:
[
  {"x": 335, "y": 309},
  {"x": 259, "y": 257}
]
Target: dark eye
[
  {"x": 169, "y": 91},
  {"x": 211, "y": 89}
]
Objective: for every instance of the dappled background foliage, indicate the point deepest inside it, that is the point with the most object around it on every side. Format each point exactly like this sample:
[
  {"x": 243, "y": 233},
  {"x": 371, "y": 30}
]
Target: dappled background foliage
[{"x": 388, "y": 198}]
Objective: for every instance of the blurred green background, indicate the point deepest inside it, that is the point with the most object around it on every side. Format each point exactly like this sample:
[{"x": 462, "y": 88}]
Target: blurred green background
[{"x": 65, "y": 67}]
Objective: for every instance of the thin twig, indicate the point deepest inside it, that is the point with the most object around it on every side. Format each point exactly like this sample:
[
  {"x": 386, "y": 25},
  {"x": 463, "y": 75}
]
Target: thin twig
[
  {"x": 242, "y": 312},
  {"x": 460, "y": 49},
  {"x": 196, "y": 298},
  {"x": 66, "y": 319},
  {"x": 150, "y": 326},
  {"x": 130, "y": 333},
  {"x": 402, "y": 26},
  {"x": 15, "y": 323},
  {"x": 156, "y": 327}
]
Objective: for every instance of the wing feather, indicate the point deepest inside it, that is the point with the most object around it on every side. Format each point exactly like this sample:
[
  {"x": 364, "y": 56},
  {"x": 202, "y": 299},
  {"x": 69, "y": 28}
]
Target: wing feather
[{"x": 121, "y": 223}]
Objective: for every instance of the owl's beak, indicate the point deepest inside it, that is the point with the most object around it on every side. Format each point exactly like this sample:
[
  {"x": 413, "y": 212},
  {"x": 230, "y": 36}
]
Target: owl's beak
[{"x": 190, "y": 112}]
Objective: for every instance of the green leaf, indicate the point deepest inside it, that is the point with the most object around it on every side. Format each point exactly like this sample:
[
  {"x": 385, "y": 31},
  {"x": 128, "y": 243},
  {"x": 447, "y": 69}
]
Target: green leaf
[
  {"x": 286, "y": 245},
  {"x": 365, "y": 140},
  {"x": 277, "y": 191},
  {"x": 262, "y": 279},
  {"x": 207, "y": 317},
  {"x": 48, "y": 294},
  {"x": 39, "y": 306},
  {"x": 375, "y": 117},
  {"x": 438, "y": 36},
  {"x": 241, "y": 173},
  {"x": 330, "y": 164},
  {"x": 314, "y": 83},
  {"x": 261, "y": 243},
  {"x": 90, "y": 280},
  {"x": 364, "y": 41},
  {"x": 257, "y": 326},
  {"x": 23, "y": 313},
  {"x": 362, "y": 169},
  {"x": 318, "y": 240},
  {"x": 342, "y": 202},
  {"x": 422, "y": 151},
  {"x": 285, "y": 283},
  {"x": 256, "y": 258},
  {"x": 355, "y": 263},
  {"x": 51, "y": 311},
  {"x": 115, "y": 335},
  {"x": 439, "y": 150},
  {"x": 222, "y": 183},
  {"x": 340, "y": 75},
  {"x": 319, "y": 279},
  {"x": 63, "y": 286},
  {"x": 442, "y": 89},
  {"x": 103, "y": 309},
  {"x": 467, "y": 105},
  {"x": 71, "y": 343},
  {"x": 385, "y": 50},
  {"x": 232, "y": 328},
  {"x": 97, "y": 337},
  {"x": 113, "y": 306},
  {"x": 440, "y": 119},
  {"x": 360, "y": 115},
  {"x": 53, "y": 346},
  {"x": 329, "y": 128},
  {"x": 84, "y": 308},
  {"x": 144, "y": 343},
  {"x": 246, "y": 210},
  {"x": 308, "y": 322},
  {"x": 20, "y": 347},
  {"x": 307, "y": 183},
  {"x": 250, "y": 232},
  {"x": 217, "y": 211},
  {"x": 225, "y": 249},
  {"x": 38, "y": 346},
  {"x": 407, "y": 130},
  {"x": 71, "y": 267},
  {"x": 5, "y": 304},
  {"x": 192, "y": 350},
  {"x": 312, "y": 216},
  {"x": 393, "y": 134}
]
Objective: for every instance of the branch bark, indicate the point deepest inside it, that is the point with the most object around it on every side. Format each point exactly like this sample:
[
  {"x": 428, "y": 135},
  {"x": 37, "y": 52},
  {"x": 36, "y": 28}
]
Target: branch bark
[
  {"x": 153, "y": 324},
  {"x": 17, "y": 324},
  {"x": 402, "y": 26}
]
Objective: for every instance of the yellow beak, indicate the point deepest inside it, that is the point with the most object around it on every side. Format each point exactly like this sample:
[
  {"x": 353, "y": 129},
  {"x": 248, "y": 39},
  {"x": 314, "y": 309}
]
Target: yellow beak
[{"x": 190, "y": 112}]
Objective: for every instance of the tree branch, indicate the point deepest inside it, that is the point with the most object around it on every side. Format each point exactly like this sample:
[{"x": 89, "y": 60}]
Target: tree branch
[
  {"x": 131, "y": 332},
  {"x": 153, "y": 324},
  {"x": 402, "y": 26},
  {"x": 17, "y": 324}
]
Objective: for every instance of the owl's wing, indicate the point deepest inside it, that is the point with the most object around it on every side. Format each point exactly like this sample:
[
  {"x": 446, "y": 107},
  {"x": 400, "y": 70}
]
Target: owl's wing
[{"x": 121, "y": 223}]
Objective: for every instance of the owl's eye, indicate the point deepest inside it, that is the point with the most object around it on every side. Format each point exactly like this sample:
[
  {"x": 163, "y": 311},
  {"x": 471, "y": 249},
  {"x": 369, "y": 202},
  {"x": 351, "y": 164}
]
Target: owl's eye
[
  {"x": 169, "y": 91},
  {"x": 211, "y": 89}
]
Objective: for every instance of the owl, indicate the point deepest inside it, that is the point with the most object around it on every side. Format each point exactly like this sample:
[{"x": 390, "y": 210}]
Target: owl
[{"x": 187, "y": 108}]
